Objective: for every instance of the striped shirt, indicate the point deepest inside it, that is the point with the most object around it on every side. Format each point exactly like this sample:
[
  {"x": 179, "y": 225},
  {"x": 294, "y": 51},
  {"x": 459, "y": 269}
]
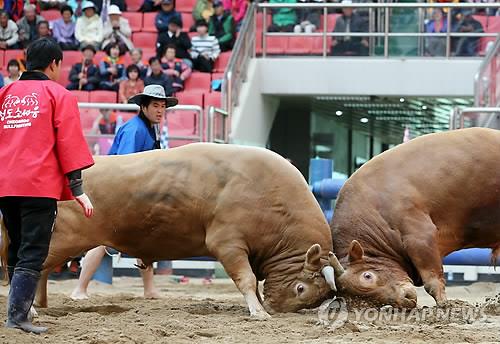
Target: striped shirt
[{"x": 205, "y": 45}]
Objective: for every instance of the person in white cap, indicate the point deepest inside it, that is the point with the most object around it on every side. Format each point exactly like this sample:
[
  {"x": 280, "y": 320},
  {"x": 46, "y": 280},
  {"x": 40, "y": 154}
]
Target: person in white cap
[
  {"x": 117, "y": 30},
  {"x": 89, "y": 28},
  {"x": 141, "y": 133}
]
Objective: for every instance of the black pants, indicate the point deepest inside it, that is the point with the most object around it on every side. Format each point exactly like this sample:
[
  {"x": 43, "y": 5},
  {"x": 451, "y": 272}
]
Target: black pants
[
  {"x": 203, "y": 64},
  {"x": 29, "y": 222}
]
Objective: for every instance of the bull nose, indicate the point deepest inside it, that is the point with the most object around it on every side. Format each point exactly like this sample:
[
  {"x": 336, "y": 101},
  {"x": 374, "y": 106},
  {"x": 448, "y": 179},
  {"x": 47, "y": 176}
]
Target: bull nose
[{"x": 409, "y": 297}]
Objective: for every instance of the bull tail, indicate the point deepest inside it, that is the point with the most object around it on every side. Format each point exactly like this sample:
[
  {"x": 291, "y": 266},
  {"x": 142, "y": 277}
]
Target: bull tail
[
  {"x": 494, "y": 256},
  {"x": 4, "y": 249}
]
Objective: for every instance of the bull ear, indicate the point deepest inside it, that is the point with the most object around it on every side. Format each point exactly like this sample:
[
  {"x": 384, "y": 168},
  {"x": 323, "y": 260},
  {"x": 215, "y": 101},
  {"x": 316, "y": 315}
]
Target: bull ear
[
  {"x": 313, "y": 255},
  {"x": 356, "y": 252}
]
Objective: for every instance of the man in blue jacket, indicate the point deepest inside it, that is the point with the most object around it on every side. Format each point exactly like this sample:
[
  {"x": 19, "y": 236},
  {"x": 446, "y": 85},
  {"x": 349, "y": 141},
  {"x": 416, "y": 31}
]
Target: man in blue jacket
[{"x": 139, "y": 134}]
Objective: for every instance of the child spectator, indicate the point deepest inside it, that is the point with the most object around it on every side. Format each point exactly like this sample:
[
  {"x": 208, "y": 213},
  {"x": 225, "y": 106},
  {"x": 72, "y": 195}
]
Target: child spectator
[
  {"x": 132, "y": 86},
  {"x": 28, "y": 24},
  {"x": 117, "y": 30},
  {"x": 43, "y": 30},
  {"x": 14, "y": 72},
  {"x": 221, "y": 25},
  {"x": 175, "y": 36},
  {"x": 205, "y": 48},
  {"x": 165, "y": 15},
  {"x": 105, "y": 123},
  {"x": 63, "y": 29},
  {"x": 112, "y": 69},
  {"x": 284, "y": 19},
  {"x": 175, "y": 68},
  {"x": 84, "y": 76},
  {"x": 89, "y": 29},
  {"x": 203, "y": 10},
  {"x": 238, "y": 9},
  {"x": 9, "y": 38},
  {"x": 136, "y": 57},
  {"x": 308, "y": 18},
  {"x": 158, "y": 77}
]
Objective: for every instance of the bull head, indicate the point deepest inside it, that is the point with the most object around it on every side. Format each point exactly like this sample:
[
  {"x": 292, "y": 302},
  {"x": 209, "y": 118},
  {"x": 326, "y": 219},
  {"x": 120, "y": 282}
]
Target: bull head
[{"x": 313, "y": 263}]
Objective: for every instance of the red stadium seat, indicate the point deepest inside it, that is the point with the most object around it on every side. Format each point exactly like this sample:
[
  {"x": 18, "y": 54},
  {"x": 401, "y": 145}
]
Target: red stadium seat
[
  {"x": 144, "y": 39},
  {"x": 260, "y": 21},
  {"x": 299, "y": 45},
  {"x": 190, "y": 98},
  {"x": 317, "y": 45},
  {"x": 134, "y": 5},
  {"x": 103, "y": 97},
  {"x": 187, "y": 21},
  {"x": 82, "y": 96},
  {"x": 70, "y": 57},
  {"x": 198, "y": 82},
  {"x": 148, "y": 23},
  {"x": 185, "y": 5},
  {"x": 213, "y": 99},
  {"x": 493, "y": 24},
  {"x": 332, "y": 18},
  {"x": 50, "y": 15},
  {"x": 276, "y": 44},
  {"x": 222, "y": 61},
  {"x": 2, "y": 59},
  {"x": 12, "y": 55},
  {"x": 147, "y": 53},
  {"x": 64, "y": 75},
  {"x": 134, "y": 19},
  {"x": 217, "y": 76},
  {"x": 87, "y": 118}
]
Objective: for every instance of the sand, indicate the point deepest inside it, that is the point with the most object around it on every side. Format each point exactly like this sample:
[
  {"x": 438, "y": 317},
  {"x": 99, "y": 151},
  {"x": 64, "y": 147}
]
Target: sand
[{"x": 216, "y": 313}]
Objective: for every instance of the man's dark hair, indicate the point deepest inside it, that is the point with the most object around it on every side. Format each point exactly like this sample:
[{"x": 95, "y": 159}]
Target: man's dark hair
[
  {"x": 171, "y": 46},
  {"x": 66, "y": 8},
  {"x": 133, "y": 67},
  {"x": 41, "y": 53},
  {"x": 110, "y": 46},
  {"x": 153, "y": 59},
  {"x": 201, "y": 22},
  {"x": 13, "y": 62},
  {"x": 43, "y": 22},
  {"x": 2, "y": 12}
]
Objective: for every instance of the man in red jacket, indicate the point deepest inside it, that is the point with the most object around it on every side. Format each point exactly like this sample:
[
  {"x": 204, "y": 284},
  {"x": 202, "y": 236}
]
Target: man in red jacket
[{"x": 42, "y": 155}]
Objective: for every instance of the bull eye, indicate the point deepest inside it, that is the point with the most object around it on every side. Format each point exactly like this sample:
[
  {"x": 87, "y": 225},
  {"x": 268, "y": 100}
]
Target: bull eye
[
  {"x": 367, "y": 276},
  {"x": 300, "y": 289}
]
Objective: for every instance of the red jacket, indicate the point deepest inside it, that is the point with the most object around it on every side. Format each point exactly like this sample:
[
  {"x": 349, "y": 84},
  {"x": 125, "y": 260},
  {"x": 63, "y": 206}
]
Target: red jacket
[{"x": 41, "y": 138}]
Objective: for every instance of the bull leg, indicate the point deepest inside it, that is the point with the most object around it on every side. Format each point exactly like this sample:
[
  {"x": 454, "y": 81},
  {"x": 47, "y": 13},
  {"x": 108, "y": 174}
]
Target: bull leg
[
  {"x": 419, "y": 240},
  {"x": 41, "y": 292},
  {"x": 236, "y": 264}
]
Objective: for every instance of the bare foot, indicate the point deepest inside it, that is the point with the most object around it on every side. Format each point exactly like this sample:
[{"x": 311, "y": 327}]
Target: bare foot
[
  {"x": 78, "y": 294},
  {"x": 153, "y": 294}
]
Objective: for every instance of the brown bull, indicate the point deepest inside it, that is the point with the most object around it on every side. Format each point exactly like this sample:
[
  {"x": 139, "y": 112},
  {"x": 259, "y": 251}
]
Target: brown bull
[
  {"x": 247, "y": 207},
  {"x": 404, "y": 210}
]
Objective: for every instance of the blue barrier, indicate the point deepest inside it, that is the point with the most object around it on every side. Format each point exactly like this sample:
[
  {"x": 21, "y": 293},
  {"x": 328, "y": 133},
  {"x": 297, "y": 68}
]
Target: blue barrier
[{"x": 471, "y": 256}]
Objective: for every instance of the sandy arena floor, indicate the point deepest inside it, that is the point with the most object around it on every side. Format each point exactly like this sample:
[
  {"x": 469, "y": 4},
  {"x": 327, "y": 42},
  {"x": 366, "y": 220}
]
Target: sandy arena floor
[{"x": 195, "y": 313}]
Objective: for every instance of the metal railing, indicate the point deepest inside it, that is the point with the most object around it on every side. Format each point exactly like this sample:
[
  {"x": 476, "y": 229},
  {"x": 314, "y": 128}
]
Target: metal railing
[
  {"x": 486, "y": 80},
  {"x": 383, "y": 12},
  {"x": 213, "y": 114},
  {"x": 199, "y": 133},
  {"x": 488, "y": 117},
  {"x": 236, "y": 70}
]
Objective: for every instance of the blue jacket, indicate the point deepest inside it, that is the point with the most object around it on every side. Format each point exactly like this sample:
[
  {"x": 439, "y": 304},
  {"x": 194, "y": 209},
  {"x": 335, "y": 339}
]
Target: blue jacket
[
  {"x": 163, "y": 18},
  {"x": 136, "y": 135}
]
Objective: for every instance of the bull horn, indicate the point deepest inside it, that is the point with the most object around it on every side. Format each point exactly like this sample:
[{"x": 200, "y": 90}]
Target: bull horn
[
  {"x": 334, "y": 262},
  {"x": 329, "y": 275}
]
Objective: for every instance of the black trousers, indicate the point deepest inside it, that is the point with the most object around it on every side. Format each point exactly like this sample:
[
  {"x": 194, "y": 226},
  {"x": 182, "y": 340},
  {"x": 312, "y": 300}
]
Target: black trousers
[
  {"x": 203, "y": 64},
  {"x": 29, "y": 222}
]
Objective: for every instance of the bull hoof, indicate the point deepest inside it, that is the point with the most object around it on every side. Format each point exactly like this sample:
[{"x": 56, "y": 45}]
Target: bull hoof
[
  {"x": 260, "y": 316},
  {"x": 443, "y": 303},
  {"x": 32, "y": 314},
  {"x": 79, "y": 295}
]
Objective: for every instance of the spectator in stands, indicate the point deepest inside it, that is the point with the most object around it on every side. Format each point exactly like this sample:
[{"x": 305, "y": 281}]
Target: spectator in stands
[
  {"x": 350, "y": 22},
  {"x": 103, "y": 6},
  {"x": 203, "y": 10},
  {"x": 136, "y": 57},
  {"x": 221, "y": 25},
  {"x": 117, "y": 31},
  {"x": 132, "y": 86},
  {"x": 284, "y": 19},
  {"x": 158, "y": 77},
  {"x": 9, "y": 38},
  {"x": 14, "y": 71},
  {"x": 467, "y": 46},
  {"x": 43, "y": 30},
  {"x": 175, "y": 68},
  {"x": 51, "y": 4},
  {"x": 63, "y": 29},
  {"x": 205, "y": 49},
  {"x": 27, "y": 25},
  {"x": 164, "y": 16},
  {"x": 89, "y": 28},
  {"x": 308, "y": 18},
  {"x": 105, "y": 123},
  {"x": 175, "y": 36},
  {"x": 436, "y": 46},
  {"x": 151, "y": 6},
  {"x": 76, "y": 6},
  {"x": 84, "y": 76},
  {"x": 238, "y": 9},
  {"x": 21, "y": 59},
  {"x": 14, "y": 8},
  {"x": 112, "y": 69}
]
